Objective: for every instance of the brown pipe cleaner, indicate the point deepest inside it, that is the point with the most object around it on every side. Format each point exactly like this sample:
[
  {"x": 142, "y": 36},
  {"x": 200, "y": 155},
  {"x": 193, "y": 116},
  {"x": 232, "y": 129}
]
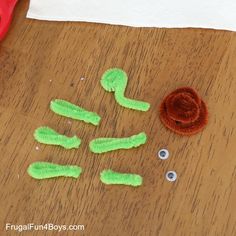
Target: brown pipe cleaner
[{"x": 184, "y": 112}]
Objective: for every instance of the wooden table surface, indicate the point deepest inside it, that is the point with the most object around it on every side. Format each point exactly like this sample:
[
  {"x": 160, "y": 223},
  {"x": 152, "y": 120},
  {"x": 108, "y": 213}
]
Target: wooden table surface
[{"x": 40, "y": 61}]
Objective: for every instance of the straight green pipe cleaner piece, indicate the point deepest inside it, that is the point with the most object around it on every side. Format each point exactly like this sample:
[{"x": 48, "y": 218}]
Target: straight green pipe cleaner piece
[
  {"x": 115, "y": 80},
  {"x": 102, "y": 145},
  {"x": 46, "y": 170},
  {"x": 67, "y": 109},
  {"x": 111, "y": 177},
  {"x": 49, "y": 136}
]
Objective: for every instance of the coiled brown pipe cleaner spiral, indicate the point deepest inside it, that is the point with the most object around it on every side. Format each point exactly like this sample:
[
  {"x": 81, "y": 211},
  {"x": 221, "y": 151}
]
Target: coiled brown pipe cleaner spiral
[{"x": 184, "y": 112}]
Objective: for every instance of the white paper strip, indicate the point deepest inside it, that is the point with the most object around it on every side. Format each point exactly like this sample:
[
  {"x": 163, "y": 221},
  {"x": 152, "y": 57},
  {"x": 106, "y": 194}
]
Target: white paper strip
[{"x": 217, "y": 14}]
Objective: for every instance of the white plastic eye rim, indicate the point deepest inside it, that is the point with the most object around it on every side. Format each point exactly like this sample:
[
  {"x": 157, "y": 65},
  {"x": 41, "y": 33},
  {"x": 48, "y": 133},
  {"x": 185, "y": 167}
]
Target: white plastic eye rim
[
  {"x": 171, "y": 179},
  {"x": 163, "y": 157}
]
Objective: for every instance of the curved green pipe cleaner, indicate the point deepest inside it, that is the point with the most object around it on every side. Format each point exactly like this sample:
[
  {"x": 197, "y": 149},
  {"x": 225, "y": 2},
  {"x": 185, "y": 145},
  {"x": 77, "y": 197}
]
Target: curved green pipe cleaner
[
  {"x": 67, "y": 109},
  {"x": 102, "y": 145},
  {"x": 115, "y": 80},
  {"x": 49, "y": 136},
  {"x": 46, "y": 170},
  {"x": 111, "y": 177}
]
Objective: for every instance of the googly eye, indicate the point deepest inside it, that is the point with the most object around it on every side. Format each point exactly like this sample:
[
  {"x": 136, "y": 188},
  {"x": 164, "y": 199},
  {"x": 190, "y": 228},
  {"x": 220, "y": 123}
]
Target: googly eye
[
  {"x": 163, "y": 154},
  {"x": 171, "y": 176}
]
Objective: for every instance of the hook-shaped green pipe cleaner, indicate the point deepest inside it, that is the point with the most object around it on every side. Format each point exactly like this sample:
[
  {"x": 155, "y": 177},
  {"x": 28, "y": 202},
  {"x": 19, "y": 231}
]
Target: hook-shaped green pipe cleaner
[
  {"x": 101, "y": 145},
  {"x": 111, "y": 177},
  {"x": 49, "y": 136},
  {"x": 67, "y": 109},
  {"x": 46, "y": 170},
  {"x": 115, "y": 80}
]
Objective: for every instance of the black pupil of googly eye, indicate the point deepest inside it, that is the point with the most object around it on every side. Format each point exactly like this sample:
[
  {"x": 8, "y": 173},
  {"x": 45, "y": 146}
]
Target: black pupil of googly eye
[
  {"x": 162, "y": 153},
  {"x": 170, "y": 175}
]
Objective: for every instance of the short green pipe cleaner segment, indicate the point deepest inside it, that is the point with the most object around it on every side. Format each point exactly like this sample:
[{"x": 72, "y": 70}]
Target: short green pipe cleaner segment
[
  {"x": 102, "y": 145},
  {"x": 115, "y": 80},
  {"x": 67, "y": 109},
  {"x": 49, "y": 136},
  {"x": 46, "y": 170},
  {"x": 111, "y": 177}
]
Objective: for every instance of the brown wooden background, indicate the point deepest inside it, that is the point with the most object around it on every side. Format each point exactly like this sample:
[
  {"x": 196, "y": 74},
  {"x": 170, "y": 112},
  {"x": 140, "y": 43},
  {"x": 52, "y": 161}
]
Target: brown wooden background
[{"x": 40, "y": 61}]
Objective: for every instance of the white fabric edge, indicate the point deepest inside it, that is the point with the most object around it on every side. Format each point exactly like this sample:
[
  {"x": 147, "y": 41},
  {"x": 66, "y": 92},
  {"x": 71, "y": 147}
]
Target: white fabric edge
[{"x": 112, "y": 22}]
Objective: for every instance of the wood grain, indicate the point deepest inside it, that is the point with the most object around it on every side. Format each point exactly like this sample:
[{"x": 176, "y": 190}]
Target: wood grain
[{"x": 40, "y": 61}]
